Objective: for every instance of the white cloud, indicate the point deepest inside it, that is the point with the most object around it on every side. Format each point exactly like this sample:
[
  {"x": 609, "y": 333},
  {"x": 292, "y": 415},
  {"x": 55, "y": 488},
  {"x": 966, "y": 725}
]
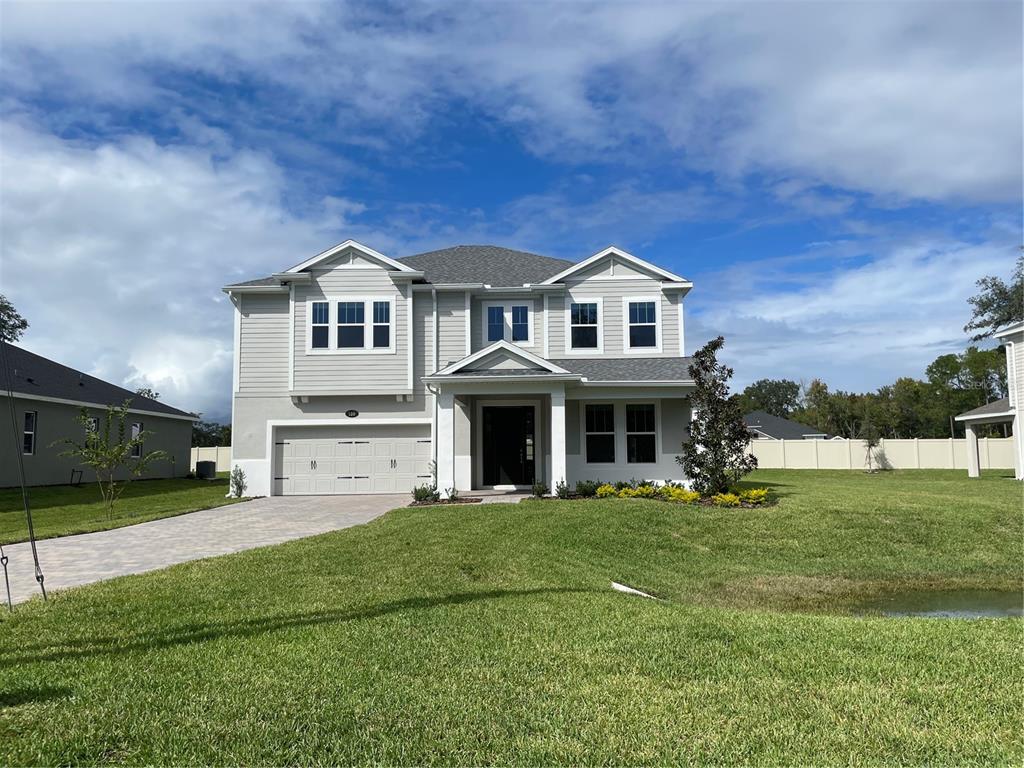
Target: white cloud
[
  {"x": 116, "y": 253},
  {"x": 858, "y": 325},
  {"x": 902, "y": 100}
]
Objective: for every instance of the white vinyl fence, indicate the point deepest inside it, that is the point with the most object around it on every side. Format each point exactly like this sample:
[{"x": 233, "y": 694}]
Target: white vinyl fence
[
  {"x": 916, "y": 453},
  {"x": 221, "y": 455}
]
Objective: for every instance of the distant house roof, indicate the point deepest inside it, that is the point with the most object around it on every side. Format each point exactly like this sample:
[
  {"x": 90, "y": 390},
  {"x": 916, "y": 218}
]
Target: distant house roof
[
  {"x": 36, "y": 376},
  {"x": 997, "y": 410},
  {"x": 779, "y": 428}
]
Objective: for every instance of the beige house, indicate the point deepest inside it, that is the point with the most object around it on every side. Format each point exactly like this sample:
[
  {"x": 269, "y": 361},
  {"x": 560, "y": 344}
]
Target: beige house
[
  {"x": 493, "y": 368},
  {"x": 1005, "y": 410}
]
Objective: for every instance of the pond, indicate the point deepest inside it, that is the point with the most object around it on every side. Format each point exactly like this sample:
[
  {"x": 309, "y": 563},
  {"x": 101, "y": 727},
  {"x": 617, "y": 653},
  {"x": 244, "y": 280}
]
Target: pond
[{"x": 958, "y": 604}]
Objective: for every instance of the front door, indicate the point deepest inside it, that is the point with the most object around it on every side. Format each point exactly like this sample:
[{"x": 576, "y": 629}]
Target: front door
[{"x": 508, "y": 445}]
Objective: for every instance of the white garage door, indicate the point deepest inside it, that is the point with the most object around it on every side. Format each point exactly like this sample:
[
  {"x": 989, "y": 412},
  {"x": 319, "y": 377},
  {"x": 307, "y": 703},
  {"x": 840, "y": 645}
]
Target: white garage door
[{"x": 321, "y": 460}]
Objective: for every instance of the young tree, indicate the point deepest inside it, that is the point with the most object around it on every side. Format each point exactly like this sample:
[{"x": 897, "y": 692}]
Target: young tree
[
  {"x": 779, "y": 397},
  {"x": 998, "y": 303},
  {"x": 12, "y": 325},
  {"x": 111, "y": 451},
  {"x": 149, "y": 392},
  {"x": 716, "y": 454},
  {"x": 869, "y": 434}
]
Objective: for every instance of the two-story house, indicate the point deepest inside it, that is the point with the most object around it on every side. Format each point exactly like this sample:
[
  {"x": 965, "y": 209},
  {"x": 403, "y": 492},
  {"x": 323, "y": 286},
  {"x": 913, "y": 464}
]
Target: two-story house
[{"x": 359, "y": 373}]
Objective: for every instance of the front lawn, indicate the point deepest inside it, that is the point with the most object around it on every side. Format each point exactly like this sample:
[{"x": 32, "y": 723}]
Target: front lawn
[
  {"x": 482, "y": 634},
  {"x": 60, "y": 510}
]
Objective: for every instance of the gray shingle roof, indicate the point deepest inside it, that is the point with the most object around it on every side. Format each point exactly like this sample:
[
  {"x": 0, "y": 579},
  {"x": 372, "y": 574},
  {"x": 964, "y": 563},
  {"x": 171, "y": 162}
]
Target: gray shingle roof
[
  {"x": 989, "y": 409},
  {"x": 257, "y": 282},
  {"x": 32, "y": 374},
  {"x": 779, "y": 428},
  {"x": 629, "y": 368},
  {"x": 489, "y": 264}
]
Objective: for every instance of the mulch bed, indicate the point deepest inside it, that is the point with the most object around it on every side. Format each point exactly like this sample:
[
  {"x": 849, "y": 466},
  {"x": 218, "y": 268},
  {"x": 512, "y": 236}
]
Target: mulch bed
[{"x": 440, "y": 502}]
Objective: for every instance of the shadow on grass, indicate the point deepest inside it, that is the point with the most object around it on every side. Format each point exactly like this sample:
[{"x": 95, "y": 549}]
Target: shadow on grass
[
  {"x": 194, "y": 633},
  {"x": 15, "y": 697}
]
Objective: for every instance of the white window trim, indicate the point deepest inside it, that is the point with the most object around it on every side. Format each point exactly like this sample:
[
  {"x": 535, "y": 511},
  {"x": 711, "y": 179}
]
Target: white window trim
[
  {"x": 507, "y": 314},
  {"x": 332, "y": 333},
  {"x": 136, "y": 452},
  {"x": 656, "y": 349},
  {"x": 572, "y": 351},
  {"x": 614, "y": 434},
  {"x": 34, "y": 432},
  {"x": 626, "y": 433}
]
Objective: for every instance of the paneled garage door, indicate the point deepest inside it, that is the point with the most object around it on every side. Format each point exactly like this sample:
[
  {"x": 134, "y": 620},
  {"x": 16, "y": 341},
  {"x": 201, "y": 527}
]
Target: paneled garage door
[{"x": 320, "y": 460}]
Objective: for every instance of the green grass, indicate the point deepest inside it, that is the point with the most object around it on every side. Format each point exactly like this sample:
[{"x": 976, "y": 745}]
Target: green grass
[
  {"x": 483, "y": 634},
  {"x": 60, "y": 510}
]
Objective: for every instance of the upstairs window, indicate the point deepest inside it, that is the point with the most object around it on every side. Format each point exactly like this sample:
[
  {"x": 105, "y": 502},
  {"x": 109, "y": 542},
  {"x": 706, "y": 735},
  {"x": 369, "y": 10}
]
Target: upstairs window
[
  {"x": 508, "y": 322},
  {"x": 351, "y": 318},
  {"x": 583, "y": 326},
  {"x": 137, "y": 448},
  {"x": 28, "y": 441},
  {"x": 495, "y": 324},
  {"x": 641, "y": 434},
  {"x": 643, "y": 325},
  {"x": 600, "y": 426},
  {"x": 381, "y": 324},
  {"x": 520, "y": 323},
  {"x": 321, "y": 328}
]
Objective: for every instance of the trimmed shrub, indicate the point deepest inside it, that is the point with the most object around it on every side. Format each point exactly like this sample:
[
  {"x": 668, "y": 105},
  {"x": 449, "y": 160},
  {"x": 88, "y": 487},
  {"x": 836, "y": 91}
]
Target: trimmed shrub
[
  {"x": 606, "y": 491},
  {"x": 679, "y": 494},
  {"x": 587, "y": 489},
  {"x": 725, "y": 500},
  {"x": 755, "y": 496},
  {"x": 425, "y": 493},
  {"x": 639, "y": 492},
  {"x": 540, "y": 489}
]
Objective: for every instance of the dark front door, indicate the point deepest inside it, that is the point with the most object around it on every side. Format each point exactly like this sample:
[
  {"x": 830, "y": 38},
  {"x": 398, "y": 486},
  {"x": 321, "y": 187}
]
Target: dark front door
[{"x": 509, "y": 445}]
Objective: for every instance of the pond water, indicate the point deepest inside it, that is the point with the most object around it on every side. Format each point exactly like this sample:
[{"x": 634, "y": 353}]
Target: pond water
[{"x": 959, "y": 604}]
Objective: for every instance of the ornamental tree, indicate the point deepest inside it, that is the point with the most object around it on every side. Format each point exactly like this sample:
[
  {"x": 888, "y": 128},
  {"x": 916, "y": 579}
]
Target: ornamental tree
[
  {"x": 716, "y": 454},
  {"x": 109, "y": 448}
]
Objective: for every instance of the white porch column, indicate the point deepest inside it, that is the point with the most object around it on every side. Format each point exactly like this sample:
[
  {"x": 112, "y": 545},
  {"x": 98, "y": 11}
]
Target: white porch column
[
  {"x": 445, "y": 441},
  {"x": 973, "y": 464},
  {"x": 557, "y": 438}
]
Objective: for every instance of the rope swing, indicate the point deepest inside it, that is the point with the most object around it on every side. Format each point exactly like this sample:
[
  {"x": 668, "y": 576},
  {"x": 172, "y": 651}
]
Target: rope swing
[{"x": 21, "y": 478}]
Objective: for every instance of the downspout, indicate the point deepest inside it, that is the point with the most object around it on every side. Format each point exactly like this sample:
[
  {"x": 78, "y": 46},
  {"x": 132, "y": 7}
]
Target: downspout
[{"x": 431, "y": 390}]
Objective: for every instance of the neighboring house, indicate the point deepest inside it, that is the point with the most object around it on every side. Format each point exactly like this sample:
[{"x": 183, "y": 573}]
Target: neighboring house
[
  {"x": 48, "y": 397},
  {"x": 358, "y": 373},
  {"x": 1004, "y": 411},
  {"x": 764, "y": 426}
]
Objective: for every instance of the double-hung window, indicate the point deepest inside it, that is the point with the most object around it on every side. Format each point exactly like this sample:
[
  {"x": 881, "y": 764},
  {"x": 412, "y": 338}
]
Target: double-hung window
[
  {"x": 320, "y": 331},
  {"x": 641, "y": 434},
  {"x": 520, "y": 323},
  {"x": 381, "y": 324},
  {"x": 351, "y": 321},
  {"x": 495, "y": 324},
  {"x": 508, "y": 322},
  {"x": 583, "y": 326},
  {"x": 137, "y": 447},
  {"x": 642, "y": 319},
  {"x": 28, "y": 440},
  {"x": 600, "y": 426}
]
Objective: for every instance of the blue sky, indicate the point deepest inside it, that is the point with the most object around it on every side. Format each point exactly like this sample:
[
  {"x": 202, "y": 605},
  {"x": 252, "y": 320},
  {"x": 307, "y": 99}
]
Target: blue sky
[{"x": 832, "y": 176}]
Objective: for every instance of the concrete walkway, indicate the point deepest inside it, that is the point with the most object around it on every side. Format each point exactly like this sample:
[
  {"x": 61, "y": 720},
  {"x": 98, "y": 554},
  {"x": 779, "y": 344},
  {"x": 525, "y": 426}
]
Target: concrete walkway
[{"x": 71, "y": 561}]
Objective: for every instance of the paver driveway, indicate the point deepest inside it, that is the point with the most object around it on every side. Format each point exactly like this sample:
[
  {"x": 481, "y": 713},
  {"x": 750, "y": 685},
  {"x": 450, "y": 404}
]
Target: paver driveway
[{"x": 70, "y": 561}]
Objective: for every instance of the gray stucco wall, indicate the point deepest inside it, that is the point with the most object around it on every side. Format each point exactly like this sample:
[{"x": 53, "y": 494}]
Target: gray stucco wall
[{"x": 56, "y": 421}]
